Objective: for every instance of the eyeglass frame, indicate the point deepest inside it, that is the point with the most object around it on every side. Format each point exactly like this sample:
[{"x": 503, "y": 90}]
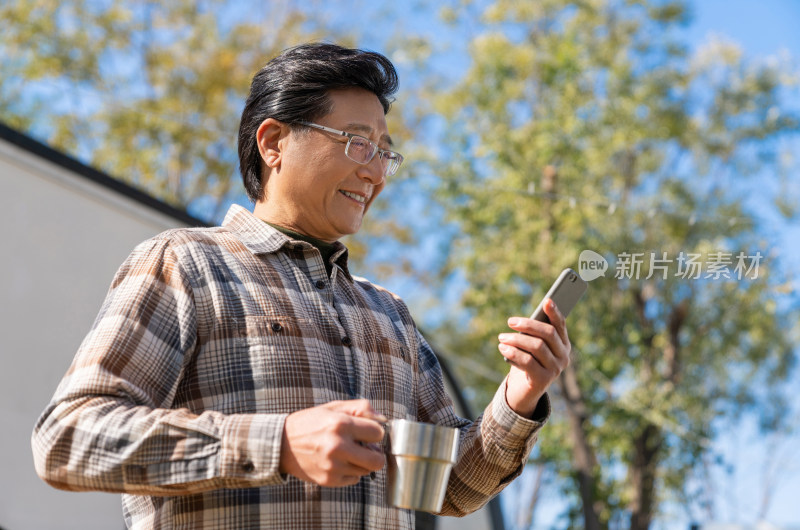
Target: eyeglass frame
[{"x": 350, "y": 137}]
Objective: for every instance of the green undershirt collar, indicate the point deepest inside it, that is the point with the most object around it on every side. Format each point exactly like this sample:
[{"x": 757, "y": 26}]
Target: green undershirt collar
[{"x": 325, "y": 249}]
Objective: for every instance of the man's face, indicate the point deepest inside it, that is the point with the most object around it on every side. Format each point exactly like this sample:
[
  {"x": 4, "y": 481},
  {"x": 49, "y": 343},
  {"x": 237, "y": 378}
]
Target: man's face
[{"x": 317, "y": 190}]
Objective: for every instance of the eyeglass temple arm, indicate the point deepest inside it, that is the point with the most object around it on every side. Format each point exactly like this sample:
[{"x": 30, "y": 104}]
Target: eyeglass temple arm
[{"x": 326, "y": 129}]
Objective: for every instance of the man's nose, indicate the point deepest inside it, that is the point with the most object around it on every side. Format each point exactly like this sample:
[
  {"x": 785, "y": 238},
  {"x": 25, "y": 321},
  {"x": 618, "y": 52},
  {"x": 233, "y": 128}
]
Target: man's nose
[{"x": 372, "y": 171}]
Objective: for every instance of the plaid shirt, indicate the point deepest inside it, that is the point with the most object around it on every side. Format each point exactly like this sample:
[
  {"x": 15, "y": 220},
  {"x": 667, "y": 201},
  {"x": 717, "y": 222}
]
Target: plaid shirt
[{"x": 208, "y": 338}]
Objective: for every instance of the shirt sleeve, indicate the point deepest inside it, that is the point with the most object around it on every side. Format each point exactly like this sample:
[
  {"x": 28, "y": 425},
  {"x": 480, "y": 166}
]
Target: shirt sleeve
[
  {"x": 110, "y": 425},
  {"x": 492, "y": 450}
]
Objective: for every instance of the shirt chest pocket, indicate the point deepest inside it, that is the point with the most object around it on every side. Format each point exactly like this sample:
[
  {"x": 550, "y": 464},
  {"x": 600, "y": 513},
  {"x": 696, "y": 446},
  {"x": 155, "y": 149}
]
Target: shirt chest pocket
[
  {"x": 263, "y": 364},
  {"x": 296, "y": 366}
]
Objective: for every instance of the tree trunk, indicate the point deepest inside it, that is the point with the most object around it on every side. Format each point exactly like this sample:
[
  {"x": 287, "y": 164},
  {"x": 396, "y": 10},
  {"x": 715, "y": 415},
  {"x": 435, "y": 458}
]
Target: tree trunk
[
  {"x": 643, "y": 474},
  {"x": 647, "y": 444},
  {"x": 583, "y": 456}
]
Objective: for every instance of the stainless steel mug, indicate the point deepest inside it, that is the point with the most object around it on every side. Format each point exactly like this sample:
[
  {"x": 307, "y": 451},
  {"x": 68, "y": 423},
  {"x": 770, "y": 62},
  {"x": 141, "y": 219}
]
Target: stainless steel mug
[{"x": 421, "y": 456}]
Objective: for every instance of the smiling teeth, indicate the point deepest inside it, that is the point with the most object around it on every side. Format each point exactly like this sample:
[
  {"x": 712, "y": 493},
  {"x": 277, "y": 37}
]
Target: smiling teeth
[{"x": 359, "y": 198}]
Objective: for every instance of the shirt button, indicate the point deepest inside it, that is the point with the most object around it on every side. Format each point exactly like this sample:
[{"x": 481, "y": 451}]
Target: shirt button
[
  {"x": 347, "y": 341},
  {"x": 276, "y": 326},
  {"x": 248, "y": 467},
  {"x": 320, "y": 284}
]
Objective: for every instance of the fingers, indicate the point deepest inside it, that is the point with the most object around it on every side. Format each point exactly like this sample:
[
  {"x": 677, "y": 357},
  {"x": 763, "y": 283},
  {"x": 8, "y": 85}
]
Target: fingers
[
  {"x": 541, "y": 344},
  {"x": 333, "y": 444},
  {"x": 336, "y": 473},
  {"x": 363, "y": 424},
  {"x": 364, "y": 459},
  {"x": 345, "y": 457},
  {"x": 523, "y": 351},
  {"x": 539, "y": 352},
  {"x": 553, "y": 333},
  {"x": 558, "y": 320},
  {"x": 556, "y": 326}
]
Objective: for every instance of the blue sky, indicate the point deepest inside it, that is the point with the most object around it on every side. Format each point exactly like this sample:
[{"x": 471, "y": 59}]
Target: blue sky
[{"x": 761, "y": 28}]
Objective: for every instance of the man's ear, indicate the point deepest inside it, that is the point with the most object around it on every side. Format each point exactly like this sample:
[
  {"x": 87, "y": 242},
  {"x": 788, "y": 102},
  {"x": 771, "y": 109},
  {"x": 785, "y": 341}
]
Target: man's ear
[{"x": 268, "y": 137}]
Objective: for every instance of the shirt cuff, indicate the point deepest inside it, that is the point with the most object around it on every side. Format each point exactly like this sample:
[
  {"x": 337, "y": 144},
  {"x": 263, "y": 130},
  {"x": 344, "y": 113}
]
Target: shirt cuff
[
  {"x": 251, "y": 449},
  {"x": 518, "y": 430}
]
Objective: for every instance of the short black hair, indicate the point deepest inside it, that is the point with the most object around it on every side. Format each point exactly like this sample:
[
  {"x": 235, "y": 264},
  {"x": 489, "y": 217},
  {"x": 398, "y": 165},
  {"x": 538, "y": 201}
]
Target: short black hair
[{"x": 293, "y": 87}]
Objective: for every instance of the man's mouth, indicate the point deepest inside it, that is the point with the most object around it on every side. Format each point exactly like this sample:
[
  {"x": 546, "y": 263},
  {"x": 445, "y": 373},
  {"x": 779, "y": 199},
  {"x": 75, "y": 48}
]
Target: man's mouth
[{"x": 354, "y": 196}]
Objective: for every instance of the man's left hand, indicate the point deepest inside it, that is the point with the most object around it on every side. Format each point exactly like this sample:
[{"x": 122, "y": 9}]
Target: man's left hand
[{"x": 538, "y": 354}]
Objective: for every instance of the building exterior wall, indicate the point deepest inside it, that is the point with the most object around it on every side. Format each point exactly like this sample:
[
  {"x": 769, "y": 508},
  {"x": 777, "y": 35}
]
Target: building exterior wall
[{"x": 64, "y": 238}]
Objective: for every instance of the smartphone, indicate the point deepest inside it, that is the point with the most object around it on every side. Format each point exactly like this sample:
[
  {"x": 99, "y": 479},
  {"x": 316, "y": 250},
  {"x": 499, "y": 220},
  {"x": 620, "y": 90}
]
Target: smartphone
[{"x": 565, "y": 292}]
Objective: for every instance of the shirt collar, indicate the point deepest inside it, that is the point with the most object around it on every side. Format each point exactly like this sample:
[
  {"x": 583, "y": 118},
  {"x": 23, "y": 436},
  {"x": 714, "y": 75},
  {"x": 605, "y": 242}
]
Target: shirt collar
[{"x": 260, "y": 238}]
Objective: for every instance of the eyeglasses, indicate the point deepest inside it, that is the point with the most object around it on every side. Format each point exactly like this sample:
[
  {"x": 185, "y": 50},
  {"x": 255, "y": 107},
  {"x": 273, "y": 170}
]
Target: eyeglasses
[{"x": 362, "y": 151}]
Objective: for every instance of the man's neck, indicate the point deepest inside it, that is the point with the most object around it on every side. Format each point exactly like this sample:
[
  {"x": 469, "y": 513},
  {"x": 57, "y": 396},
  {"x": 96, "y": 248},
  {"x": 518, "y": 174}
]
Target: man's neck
[
  {"x": 326, "y": 248},
  {"x": 282, "y": 221},
  {"x": 319, "y": 243}
]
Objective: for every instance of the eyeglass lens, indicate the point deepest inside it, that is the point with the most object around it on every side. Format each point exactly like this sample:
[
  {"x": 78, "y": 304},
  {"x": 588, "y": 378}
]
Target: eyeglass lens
[{"x": 361, "y": 150}]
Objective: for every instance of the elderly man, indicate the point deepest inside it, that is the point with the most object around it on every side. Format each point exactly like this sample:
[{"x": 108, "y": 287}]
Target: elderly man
[{"x": 239, "y": 376}]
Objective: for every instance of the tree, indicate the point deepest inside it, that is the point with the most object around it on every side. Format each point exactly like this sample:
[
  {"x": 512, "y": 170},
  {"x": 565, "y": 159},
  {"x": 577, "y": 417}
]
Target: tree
[
  {"x": 587, "y": 125},
  {"x": 150, "y": 92}
]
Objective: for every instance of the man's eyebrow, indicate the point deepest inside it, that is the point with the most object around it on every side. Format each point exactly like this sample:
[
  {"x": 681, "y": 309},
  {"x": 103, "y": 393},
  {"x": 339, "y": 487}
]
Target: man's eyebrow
[{"x": 366, "y": 129}]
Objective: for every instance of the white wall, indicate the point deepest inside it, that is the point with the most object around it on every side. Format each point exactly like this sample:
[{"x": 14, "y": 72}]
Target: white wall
[{"x": 64, "y": 237}]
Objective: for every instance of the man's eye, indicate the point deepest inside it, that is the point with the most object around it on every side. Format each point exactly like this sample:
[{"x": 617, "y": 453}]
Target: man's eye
[{"x": 359, "y": 143}]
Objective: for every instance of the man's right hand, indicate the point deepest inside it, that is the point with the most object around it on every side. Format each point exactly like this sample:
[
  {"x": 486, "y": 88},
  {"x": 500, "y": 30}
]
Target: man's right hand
[{"x": 328, "y": 444}]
